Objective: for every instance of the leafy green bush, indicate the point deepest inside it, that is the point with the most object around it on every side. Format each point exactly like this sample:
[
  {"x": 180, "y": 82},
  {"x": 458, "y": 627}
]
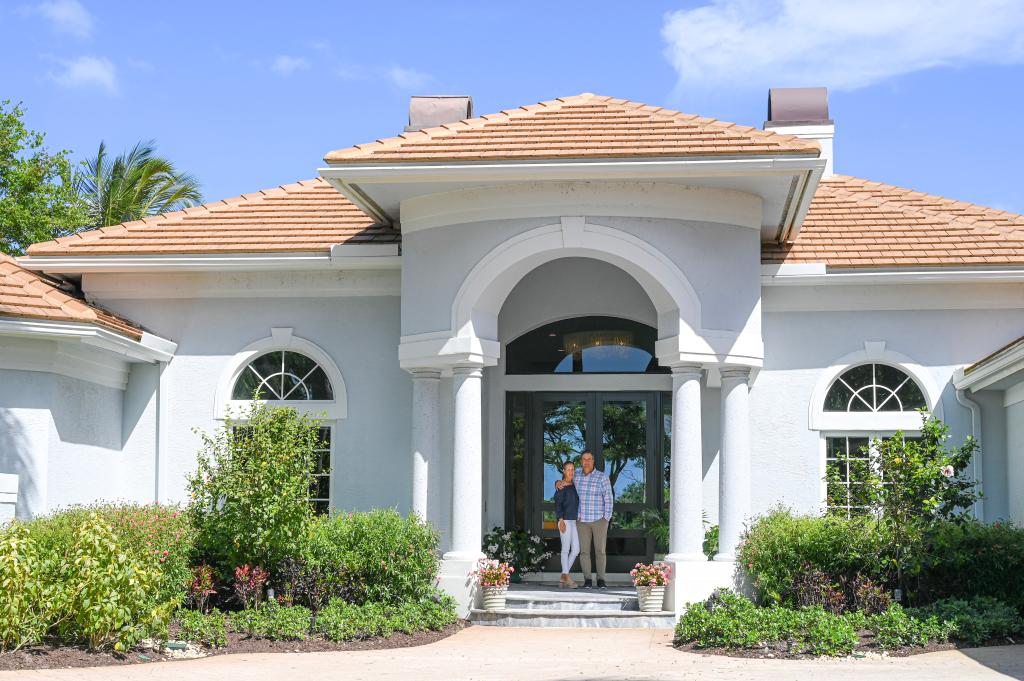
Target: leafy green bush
[
  {"x": 728, "y": 620},
  {"x": 969, "y": 558},
  {"x": 342, "y": 621},
  {"x": 160, "y": 536},
  {"x": 710, "y": 545},
  {"x": 105, "y": 597},
  {"x": 975, "y": 620},
  {"x": 273, "y": 621},
  {"x": 25, "y": 601},
  {"x": 781, "y": 547},
  {"x": 378, "y": 556},
  {"x": 209, "y": 629},
  {"x": 895, "y": 628},
  {"x": 250, "y": 491}
]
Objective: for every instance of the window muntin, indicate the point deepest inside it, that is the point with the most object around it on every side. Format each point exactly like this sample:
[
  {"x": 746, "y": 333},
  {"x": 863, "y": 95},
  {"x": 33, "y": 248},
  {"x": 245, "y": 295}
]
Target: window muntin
[
  {"x": 874, "y": 388},
  {"x": 283, "y": 375},
  {"x": 587, "y": 345},
  {"x": 850, "y": 457},
  {"x": 320, "y": 486}
]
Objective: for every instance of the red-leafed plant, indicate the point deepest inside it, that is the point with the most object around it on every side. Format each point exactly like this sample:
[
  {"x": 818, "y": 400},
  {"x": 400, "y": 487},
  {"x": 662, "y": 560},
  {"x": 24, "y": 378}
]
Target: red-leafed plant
[{"x": 249, "y": 583}]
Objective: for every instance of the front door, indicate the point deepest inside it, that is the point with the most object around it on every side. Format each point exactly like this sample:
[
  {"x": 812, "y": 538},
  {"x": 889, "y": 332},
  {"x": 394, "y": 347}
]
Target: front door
[{"x": 626, "y": 433}]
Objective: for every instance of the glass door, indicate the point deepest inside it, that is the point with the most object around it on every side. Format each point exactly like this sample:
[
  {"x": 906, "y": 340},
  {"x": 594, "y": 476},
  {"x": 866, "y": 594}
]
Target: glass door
[{"x": 623, "y": 431}]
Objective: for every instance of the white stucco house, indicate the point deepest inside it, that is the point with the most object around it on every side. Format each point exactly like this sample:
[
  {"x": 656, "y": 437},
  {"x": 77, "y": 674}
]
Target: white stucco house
[{"x": 475, "y": 300}]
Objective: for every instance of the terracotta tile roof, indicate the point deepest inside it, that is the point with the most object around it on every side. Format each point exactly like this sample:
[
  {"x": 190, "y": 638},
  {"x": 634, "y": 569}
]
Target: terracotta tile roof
[
  {"x": 859, "y": 223},
  {"x": 26, "y": 294},
  {"x": 582, "y": 126},
  {"x": 306, "y": 216}
]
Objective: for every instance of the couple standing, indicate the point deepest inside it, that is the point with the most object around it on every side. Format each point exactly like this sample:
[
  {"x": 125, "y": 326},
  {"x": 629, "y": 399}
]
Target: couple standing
[{"x": 583, "y": 505}]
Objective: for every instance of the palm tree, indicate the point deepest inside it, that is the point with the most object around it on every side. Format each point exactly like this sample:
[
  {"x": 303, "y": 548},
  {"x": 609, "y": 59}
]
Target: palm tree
[{"x": 134, "y": 185}]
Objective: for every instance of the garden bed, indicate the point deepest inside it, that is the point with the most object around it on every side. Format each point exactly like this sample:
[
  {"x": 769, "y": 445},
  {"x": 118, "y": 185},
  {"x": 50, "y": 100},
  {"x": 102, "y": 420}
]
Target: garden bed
[{"x": 46, "y": 656}]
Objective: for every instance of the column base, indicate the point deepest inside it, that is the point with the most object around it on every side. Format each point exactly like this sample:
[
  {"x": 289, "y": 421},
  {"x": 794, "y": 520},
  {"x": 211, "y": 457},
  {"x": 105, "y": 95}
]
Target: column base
[
  {"x": 694, "y": 580},
  {"x": 455, "y": 580}
]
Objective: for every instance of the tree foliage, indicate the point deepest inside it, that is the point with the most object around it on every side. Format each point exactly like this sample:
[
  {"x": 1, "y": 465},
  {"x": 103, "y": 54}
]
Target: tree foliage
[
  {"x": 134, "y": 185},
  {"x": 38, "y": 197}
]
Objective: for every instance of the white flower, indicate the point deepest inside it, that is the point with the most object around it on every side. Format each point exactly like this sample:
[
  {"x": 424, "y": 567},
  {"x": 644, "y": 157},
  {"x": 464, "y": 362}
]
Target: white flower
[
  {"x": 492, "y": 548},
  {"x": 948, "y": 471}
]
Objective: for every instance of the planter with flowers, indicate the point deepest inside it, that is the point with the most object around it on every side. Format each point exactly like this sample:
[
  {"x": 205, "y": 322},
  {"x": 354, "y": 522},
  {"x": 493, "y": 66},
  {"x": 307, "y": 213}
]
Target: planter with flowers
[
  {"x": 650, "y": 581},
  {"x": 493, "y": 577},
  {"x": 523, "y": 550}
]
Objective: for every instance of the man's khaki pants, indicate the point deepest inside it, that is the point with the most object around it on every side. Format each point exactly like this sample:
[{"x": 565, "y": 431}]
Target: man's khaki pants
[{"x": 595, "y": 533}]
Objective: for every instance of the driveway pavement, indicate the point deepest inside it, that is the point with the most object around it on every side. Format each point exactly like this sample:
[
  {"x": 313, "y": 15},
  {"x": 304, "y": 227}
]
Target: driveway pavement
[{"x": 489, "y": 653}]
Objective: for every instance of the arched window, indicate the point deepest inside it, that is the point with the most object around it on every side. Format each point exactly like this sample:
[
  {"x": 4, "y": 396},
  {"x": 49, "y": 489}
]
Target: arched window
[
  {"x": 874, "y": 388},
  {"x": 283, "y": 375},
  {"x": 587, "y": 345},
  {"x": 872, "y": 394}
]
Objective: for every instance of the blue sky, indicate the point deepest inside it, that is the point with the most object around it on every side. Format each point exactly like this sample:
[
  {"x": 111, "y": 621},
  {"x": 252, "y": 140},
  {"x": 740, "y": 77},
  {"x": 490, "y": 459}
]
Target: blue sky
[{"x": 247, "y": 95}]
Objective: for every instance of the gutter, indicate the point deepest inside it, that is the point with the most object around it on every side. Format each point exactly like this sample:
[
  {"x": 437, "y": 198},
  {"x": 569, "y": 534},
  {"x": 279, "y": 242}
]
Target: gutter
[
  {"x": 149, "y": 348},
  {"x": 976, "y": 468},
  {"x": 818, "y": 274}
]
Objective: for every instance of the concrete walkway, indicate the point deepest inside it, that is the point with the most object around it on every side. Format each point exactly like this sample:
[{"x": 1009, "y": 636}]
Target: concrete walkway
[{"x": 489, "y": 653}]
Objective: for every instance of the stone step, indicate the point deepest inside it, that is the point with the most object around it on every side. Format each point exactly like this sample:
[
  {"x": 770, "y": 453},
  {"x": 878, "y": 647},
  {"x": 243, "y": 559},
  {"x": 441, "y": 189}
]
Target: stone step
[
  {"x": 577, "y": 599},
  {"x": 610, "y": 619}
]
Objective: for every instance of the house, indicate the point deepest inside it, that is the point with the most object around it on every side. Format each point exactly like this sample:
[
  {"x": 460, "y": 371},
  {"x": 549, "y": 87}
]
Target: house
[{"x": 707, "y": 307}]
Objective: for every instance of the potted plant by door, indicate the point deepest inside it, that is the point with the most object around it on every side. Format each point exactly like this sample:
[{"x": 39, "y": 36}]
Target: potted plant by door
[
  {"x": 493, "y": 578},
  {"x": 650, "y": 581}
]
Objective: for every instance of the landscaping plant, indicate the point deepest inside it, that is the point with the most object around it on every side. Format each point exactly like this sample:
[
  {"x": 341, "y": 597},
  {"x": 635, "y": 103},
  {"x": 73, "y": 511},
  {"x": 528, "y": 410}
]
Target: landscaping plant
[
  {"x": 522, "y": 550},
  {"x": 647, "y": 574},
  {"x": 490, "y": 572},
  {"x": 248, "y": 585},
  {"x": 974, "y": 620},
  {"x": 210, "y": 629},
  {"x": 250, "y": 490},
  {"x": 201, "y": 587}
]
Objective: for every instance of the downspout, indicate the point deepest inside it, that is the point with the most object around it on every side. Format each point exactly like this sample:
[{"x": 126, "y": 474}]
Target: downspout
[
  {"x": 160, "y": 443},
  {"x": 975, "y": 409}
]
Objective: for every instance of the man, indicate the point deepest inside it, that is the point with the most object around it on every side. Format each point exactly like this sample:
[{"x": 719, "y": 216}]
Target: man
[{"x": 596, "y": 501}]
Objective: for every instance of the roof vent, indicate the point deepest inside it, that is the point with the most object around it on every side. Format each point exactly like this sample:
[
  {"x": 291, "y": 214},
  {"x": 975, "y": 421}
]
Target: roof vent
[
  {"x": 802, "y": 112},
  {"x": 430, "y": 112}
]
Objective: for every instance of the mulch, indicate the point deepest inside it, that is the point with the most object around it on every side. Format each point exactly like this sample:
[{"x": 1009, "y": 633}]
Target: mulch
[
  {"x": 48, "y": 656},
  {"x": 865, "y": 648}
]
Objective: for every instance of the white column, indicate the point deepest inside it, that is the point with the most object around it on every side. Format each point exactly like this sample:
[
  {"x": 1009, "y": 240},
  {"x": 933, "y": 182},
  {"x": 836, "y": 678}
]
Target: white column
[
  {"x": 467, "y": 465},
  {"x": 733, "y": 461},
  {"x": 686, "y": 525},
  {"x": 426, "y": 441}
]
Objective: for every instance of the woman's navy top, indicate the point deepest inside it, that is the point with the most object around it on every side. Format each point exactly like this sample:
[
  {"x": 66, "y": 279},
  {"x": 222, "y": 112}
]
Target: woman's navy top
[{"x": 567, "y": 503}]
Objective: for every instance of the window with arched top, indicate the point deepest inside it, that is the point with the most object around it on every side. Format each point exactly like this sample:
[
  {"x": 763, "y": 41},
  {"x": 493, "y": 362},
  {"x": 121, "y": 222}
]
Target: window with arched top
[
  {"x": 285, "y": 370},
  {"x": 283, "y": 375},
  {"x": 870, "y": 401}
]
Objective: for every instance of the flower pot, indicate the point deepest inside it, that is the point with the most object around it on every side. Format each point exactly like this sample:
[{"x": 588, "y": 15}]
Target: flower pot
[
  {"x": 494, "y": 597},
  {"x": 652, "y": 598}
]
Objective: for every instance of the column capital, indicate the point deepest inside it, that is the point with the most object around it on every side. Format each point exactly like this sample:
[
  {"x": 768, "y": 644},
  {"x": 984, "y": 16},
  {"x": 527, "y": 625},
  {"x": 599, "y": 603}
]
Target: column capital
[
  {"x": 734, "y": 373},
  {"x": 470, "y": 371},
  {"x": 425, "y": 373},
  {"x": 687, "y": 370}
]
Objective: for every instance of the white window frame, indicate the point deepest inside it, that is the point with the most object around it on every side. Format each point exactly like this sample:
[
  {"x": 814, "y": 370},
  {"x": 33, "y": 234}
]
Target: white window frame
[
  {"x": 330, "y": 426},
  {"x": 282, "y": 339},
  {"x": 871, "y": 436}
]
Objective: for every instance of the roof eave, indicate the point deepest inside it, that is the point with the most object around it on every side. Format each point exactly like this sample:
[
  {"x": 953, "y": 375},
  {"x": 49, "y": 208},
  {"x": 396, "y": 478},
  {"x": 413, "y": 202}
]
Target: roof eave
[{"x": 148, "y": 348}]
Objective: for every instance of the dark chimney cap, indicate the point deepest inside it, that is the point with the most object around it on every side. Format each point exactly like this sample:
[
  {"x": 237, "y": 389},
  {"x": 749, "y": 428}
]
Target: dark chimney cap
[
  {"x": 432, "y": 111},
  {"x": 796, "y": 105}
]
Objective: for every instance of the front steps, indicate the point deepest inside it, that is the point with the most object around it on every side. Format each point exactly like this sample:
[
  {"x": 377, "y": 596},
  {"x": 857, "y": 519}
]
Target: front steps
[{"x": 538, "y": 605}]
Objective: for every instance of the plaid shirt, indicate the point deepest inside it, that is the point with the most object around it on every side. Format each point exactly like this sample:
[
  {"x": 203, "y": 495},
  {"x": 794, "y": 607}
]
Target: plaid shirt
[{"x": 596, "y": 498}]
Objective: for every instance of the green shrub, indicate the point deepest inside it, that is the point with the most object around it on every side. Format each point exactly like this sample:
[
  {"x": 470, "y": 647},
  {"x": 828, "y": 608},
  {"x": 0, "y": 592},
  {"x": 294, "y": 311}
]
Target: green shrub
[
  {"x": 969, "y": 558},
  {"x": 273, "y": 621},
  {"x": 342, "y": 621},
  {"x": 160, "y": 536},
  {"x": 250, "y": 491},
  {"x": 779, "y": 548},
  {"x": 975, "y": 620},
  {"x": 105, "y": 595},
  {"x": 378, "y": 556},
  {"x": 209, "y": 629},
  {"x": 728, "y": 620},
  {"x": 895, "y": 628},
  {"x": 25, "y": 602}
]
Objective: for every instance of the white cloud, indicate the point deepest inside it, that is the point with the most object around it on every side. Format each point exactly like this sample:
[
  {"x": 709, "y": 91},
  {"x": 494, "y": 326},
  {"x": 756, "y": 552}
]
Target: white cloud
[
  {"x": 87, "y": 73},
  {"x": 286, "y": 65},
  {"x": 67, "y": 16},
  {"x": 408, "y": 78},
  {"x": 841, "y": 44}
]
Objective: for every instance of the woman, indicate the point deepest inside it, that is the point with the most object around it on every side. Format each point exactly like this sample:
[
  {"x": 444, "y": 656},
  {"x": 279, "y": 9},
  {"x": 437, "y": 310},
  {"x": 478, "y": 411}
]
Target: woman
[{"x": 567, "y": 508}]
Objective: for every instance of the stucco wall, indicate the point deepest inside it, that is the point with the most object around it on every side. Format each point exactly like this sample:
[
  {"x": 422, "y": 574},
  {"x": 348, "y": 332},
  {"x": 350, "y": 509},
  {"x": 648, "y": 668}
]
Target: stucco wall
[{"x": 361, "y": 336}]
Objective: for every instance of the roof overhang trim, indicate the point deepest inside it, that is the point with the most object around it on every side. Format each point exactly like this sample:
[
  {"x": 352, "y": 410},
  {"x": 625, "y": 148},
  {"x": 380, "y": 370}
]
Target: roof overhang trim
[
  {"x": 998, "y": 366},
  {"x": 149, "y": 348}
]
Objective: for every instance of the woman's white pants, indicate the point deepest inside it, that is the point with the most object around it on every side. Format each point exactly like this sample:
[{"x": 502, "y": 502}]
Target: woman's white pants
[{"x": 570, "y": 546}]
